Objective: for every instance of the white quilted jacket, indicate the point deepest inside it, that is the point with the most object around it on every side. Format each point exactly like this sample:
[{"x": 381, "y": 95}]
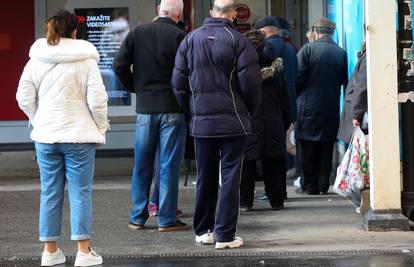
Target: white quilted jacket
[{"x": 62, "y": 93}]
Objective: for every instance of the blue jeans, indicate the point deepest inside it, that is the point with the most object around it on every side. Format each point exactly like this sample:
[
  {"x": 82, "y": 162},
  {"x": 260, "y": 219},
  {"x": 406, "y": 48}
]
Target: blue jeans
[
  {"x": 59, "y": 163},
  {"x": 166, "y": 131},
  {"x": 155, "y": 196}
]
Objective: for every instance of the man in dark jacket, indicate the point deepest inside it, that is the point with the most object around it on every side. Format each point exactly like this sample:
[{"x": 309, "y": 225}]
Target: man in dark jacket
[
  {"x": 217, "y": 80},
  {"x": 277, "y": 46},
  {"x": 322, "y": 71},
  {"x": 151, "y": 49}
]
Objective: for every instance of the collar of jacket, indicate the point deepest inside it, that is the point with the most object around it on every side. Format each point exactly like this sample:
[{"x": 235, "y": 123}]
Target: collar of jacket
[
  {"x": 166, "y": 20},
  {"x": 274, "y": 36},
  {"x": 218, "y": 22},
  {"x": 326, "y": 39}
]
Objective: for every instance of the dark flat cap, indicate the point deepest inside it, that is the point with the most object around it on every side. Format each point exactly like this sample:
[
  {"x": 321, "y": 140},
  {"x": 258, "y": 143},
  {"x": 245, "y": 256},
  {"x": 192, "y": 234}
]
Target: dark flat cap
[
  {"x": 266, "y": 21},
  {"x": 324, "y": 23}
]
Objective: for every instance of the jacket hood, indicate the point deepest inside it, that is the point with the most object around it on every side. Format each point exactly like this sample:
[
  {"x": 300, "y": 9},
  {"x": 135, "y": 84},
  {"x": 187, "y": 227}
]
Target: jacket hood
[{"x": 68, "y": 50}]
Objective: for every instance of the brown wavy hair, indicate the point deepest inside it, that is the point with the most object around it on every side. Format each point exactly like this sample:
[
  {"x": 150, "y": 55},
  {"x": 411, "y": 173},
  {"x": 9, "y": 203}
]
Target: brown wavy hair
[{"x": 60, "y": 25}]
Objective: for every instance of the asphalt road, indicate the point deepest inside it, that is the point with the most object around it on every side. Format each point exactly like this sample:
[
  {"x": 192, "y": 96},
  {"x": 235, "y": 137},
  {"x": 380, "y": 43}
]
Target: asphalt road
[{"x": 396, "y": 260}]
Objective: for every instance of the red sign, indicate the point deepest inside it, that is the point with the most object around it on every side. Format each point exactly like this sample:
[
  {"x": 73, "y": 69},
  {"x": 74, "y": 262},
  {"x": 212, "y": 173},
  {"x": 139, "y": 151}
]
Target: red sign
[{"x": 243, "y": 13}]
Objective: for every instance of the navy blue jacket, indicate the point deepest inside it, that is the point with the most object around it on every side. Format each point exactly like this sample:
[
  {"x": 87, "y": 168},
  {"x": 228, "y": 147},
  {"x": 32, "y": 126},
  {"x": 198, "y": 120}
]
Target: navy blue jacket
[
  {"x": 217, "y": 80},
  {"x": 322, "y": 71},
  {"x": 277, "y": 46}
]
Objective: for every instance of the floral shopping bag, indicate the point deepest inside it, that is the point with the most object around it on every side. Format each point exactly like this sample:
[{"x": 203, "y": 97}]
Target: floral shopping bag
[{"x": 353, "y": 172}]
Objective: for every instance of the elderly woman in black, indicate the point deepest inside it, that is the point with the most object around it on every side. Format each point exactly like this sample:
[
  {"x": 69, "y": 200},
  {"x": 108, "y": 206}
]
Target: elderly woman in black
[{"x": 267, "y": 142}]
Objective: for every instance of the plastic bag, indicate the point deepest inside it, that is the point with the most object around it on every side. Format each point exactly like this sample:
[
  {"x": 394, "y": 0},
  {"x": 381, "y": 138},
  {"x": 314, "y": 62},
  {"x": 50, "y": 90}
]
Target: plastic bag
[{"x": 353, "y": 172}]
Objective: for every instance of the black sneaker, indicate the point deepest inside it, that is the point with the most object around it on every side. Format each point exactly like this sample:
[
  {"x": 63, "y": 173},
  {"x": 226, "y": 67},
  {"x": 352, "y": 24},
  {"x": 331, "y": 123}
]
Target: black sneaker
[
  {"x": 305, "y": 192},
  {"x": 278, "y": 207},
  {"x": 178, "y": 226}
]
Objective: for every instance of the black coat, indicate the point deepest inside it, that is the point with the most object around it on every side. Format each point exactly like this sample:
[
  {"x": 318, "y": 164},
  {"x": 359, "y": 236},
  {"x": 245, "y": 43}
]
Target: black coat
[
  {"x": 151, "y": 49},
  {"x": 355, "y": 104},
  {"x": 322, "y": 71},
  {"x": 269, "y": 124}
]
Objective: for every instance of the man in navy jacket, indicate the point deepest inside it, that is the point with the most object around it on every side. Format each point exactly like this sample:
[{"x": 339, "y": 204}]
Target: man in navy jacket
[
  {"x": 217, "y": 81},
  {"x": 277, "y": 46}
]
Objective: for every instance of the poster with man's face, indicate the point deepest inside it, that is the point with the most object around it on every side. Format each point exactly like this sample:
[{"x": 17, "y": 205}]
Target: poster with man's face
[{"x": 106, "y": 28}]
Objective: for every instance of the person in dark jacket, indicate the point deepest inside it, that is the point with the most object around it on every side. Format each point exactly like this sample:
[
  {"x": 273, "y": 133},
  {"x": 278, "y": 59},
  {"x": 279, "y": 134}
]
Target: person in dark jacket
[
  {"x": 277, "y": 46},
  {"x": 267, "y": 141},
  {"x": 355, "y": 102},
  {"x": 151, "y": 49},
  {"x": 353, "y": 111},
  {"x": 322, "y": 71},
  {"x": 217, "y": 81}
]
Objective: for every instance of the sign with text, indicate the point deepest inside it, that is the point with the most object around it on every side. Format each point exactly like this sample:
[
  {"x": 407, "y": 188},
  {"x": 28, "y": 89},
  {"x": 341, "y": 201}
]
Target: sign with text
[{"x": 106, "y": 28}]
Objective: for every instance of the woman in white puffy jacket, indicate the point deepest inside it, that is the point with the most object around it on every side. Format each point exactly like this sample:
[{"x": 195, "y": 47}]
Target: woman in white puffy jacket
[{"x": 62, "y": 93}]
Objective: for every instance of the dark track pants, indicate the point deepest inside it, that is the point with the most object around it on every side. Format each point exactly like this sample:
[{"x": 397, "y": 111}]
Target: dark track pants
[
  {"x": 274, "y": 177},
  {"x": 316, "y": 165},
  {"x": 209, "y": 151}
]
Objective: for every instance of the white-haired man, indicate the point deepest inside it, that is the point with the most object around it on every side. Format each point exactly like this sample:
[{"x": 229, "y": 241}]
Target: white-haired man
[
  {"x": 217, "y": 79},
  {"x": 151, "y": 49}
]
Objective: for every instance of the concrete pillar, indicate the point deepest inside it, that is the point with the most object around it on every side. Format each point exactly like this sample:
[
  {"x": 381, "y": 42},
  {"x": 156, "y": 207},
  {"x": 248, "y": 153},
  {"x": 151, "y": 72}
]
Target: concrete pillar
[{"x": 385, "y": 212}]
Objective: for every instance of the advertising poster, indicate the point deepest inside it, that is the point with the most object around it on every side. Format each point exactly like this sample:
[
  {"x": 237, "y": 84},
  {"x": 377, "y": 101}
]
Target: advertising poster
[{"x": 106, "y": 28}]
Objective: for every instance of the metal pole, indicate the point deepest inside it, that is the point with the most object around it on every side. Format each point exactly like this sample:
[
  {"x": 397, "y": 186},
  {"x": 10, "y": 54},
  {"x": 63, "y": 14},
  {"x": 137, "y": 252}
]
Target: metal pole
[{"x": 405, "y": 85}]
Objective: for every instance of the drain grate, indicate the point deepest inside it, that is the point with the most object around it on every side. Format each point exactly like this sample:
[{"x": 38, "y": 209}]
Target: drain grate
[{"x": 279, "y": 254}]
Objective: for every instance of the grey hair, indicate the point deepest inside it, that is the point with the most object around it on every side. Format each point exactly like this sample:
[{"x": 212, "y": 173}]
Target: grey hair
[
  {"x": 272, "y": 29},
  {"x": 224, "y": 9},
  {"x": 171, "y": 7}
]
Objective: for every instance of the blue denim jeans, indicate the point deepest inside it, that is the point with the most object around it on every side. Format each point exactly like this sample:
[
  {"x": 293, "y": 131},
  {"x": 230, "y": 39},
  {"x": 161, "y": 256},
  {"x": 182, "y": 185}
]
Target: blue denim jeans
[
  {"x": 59, "y": 163},
  {"x": 155, "y": 196},
  {"x": 166, "y": 131}
]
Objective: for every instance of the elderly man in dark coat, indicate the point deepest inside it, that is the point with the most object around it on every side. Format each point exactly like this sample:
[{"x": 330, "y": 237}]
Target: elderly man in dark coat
[
  {"x": 217, "y": 81},
  {"x": 322, "y": 71},
  {"x": 277, "y": 46}
]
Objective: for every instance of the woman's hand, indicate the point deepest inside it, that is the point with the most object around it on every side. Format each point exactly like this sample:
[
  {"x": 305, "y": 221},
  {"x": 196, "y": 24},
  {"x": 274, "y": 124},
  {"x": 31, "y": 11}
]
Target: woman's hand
[{"x": 356, "y": 123}]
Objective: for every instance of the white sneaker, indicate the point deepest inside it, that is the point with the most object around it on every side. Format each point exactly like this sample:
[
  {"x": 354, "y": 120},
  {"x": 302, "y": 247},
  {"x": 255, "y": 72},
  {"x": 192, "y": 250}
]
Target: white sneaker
[
  {"x": 296, "y": 183},
  {"x": 205, "y": 239},
  {"x": 237, "y": 242},
  {"x": 51, "y": 259},
  {"x": 88, "y": 259}
]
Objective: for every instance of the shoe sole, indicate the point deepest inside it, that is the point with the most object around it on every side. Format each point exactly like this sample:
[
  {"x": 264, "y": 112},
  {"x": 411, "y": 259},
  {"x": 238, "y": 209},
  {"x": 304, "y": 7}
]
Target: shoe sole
[
  {"x": 172, "y": 229},
  {"x": 55, "y": 263},
  {"x": 136, "y": 227},
  {"x": 228, "y": 246},
  {"x": 204, "y": 243}
]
